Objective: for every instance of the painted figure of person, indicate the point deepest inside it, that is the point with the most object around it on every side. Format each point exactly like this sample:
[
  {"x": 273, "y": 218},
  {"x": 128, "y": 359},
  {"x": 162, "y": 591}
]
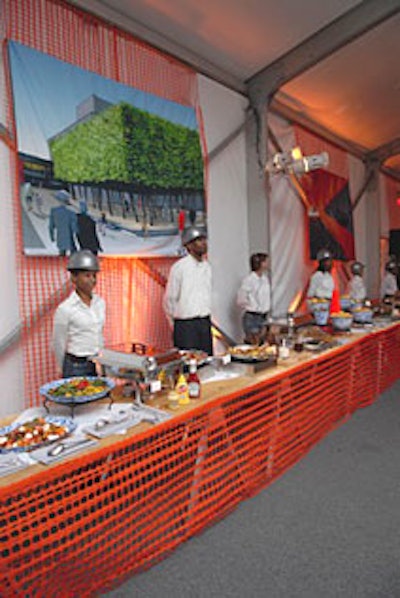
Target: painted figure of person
[
  {"x": 63, "y": 227},
  {"x": 87, "y": 235}
]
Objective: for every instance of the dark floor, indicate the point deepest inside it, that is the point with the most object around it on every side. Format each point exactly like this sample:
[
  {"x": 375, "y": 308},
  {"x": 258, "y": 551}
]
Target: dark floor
[{"x": 330, "y": 527}]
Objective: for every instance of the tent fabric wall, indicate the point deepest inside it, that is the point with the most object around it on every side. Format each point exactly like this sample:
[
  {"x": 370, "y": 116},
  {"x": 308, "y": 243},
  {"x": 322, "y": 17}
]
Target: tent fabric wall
[
  {"x": 391, "y": 217},
  {"x": 224, "y": 112},
  {"x": 11, "y": 368},
  {"x": 290, "y": 268}
]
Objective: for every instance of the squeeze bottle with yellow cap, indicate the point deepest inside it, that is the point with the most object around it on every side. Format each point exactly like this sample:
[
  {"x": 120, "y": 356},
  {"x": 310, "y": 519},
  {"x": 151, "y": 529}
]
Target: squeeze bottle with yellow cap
[{"x": 182, "y": 388}]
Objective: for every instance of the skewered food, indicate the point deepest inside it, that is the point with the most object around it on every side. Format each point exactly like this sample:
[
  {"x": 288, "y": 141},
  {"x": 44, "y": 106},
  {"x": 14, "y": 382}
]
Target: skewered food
[{"x": 31, "y": 434}]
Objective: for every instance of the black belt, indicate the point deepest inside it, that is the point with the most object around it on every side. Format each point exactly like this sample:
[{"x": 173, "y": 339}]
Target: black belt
[
  {"x": 191, "y": 319},
  {"x": 257, "y": 313},
  {"x": 76, "y": 358}
]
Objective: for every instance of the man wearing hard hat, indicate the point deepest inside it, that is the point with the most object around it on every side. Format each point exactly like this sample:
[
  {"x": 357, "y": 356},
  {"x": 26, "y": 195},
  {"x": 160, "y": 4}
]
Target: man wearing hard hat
[
  {"x": 389, "y": 288},
  {"x": 187, "y": 299},
  {"x": 357, "y": 290},
  {"x": 79, "y": 320},
  {"x": 321, "y": 282}
]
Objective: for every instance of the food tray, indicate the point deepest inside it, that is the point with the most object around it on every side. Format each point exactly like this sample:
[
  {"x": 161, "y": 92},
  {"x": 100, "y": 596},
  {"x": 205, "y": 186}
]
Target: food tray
[
  {"x": 65, "y": 422},
  {"x": 73, "y": 401},
  {"x": 318, "y": 346},
  {"x": 238, "y": 353},
  {"x": 201, "y": 357}
]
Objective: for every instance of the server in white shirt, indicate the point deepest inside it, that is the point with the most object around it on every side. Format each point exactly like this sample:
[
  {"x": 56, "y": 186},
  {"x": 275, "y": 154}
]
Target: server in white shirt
[
  {"x": 357, "y": 290},
  {"x": 254, "y": 297},
  {"x": 187, "y": 299},
  {"x": 389, "y": 286},
  {"x": 321, "y": 282},
  {"x": 79, "y": 320}
]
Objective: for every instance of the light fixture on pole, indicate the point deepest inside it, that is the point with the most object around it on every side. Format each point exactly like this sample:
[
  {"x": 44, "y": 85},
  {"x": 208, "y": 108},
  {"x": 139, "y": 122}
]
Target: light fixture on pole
[{"x": 293, "y": 162}]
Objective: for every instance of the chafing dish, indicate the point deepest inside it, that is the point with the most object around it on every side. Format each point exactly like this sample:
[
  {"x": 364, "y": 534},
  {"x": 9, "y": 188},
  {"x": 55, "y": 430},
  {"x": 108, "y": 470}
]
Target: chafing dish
[{"x": 142, "y": 370}]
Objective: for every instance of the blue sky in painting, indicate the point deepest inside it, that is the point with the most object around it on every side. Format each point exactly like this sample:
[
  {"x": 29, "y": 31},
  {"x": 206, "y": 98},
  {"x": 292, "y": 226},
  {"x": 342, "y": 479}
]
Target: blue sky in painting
[{"x": 47, "y": 92}]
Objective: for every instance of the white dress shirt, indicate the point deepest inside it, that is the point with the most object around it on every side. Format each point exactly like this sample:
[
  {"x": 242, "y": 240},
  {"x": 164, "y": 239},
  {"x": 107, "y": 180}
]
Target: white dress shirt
[
  {"x": 389, "y": 285},
  {"x": 188, "y": 292},
  {"x": 321, "y": 285},
  {"x": 78, "y": 328},
  {"x": 255, "y": 293},
  {"x": 357, "y": 289}
]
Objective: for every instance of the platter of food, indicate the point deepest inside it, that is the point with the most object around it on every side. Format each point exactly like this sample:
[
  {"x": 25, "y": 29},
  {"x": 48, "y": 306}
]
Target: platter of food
[
  {"x": 253, "y": 353},
  {"x": 201, "y": 357},
  {"x": 81, "y": 389},
  {"x": 313, "y": 344},
  {"x": 32, "y": 434}
]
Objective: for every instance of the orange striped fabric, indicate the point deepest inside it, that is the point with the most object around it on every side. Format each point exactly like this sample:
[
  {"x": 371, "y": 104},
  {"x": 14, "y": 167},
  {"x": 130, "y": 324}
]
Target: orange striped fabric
[{"x": 132, "y": 288}]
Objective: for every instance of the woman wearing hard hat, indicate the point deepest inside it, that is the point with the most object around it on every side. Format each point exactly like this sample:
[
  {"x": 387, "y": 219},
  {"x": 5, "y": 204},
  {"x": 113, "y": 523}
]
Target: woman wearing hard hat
[
  {"x": 321, "y": 282},
  {"x": 79, "y": 320},
  {"x": 187, "y": 299}
]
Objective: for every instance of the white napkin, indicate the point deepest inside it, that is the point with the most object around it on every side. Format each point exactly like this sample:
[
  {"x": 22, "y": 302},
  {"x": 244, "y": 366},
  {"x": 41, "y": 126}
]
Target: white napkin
[
  {"x": 62, "y": 448},
  {"x": 12, "y": 462},
  {"x": 113, "y": 423}
]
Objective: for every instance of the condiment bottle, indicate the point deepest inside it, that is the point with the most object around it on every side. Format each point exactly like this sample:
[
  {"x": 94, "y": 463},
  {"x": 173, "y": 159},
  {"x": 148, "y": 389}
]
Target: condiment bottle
[
  {"x": 284, "y": 350},
  {"x": 182, "y": 388},
  {"x": 290, "y": 323},
  {"x": 173, "y": 399},
  {"x": 194, "y": 380}
]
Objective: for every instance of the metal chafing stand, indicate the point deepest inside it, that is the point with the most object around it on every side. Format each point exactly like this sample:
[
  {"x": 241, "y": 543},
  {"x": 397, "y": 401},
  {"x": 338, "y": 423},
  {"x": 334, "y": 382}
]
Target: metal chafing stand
[{"x": 140, "y": 369}]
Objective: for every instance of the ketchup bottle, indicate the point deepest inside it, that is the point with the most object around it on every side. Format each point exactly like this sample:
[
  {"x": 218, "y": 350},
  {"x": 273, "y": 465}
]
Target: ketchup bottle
[{"x": 193, "y": 380}]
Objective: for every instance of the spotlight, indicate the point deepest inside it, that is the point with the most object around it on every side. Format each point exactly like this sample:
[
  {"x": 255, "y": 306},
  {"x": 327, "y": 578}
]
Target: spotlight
[{"x": 293, "y": 162}]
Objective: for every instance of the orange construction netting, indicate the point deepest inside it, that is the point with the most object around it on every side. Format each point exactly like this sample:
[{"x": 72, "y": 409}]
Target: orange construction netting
[
  {"x": 131, "y": 287},
  {"x": 82, "y": 526}
]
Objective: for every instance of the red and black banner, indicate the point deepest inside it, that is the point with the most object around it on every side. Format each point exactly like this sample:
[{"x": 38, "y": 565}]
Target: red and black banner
[{"x": 331, "y": 218}]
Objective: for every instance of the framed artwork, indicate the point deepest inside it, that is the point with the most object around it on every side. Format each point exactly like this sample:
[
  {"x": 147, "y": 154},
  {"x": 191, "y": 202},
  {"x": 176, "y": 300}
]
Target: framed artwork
[{"x": 102, "y": 165}]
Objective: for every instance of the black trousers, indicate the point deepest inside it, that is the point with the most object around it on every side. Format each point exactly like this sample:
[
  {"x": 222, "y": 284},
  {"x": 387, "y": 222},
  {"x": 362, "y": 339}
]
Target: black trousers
[
  {"x": 194, "y": 333},
  {"x": 77, "y": 366}
]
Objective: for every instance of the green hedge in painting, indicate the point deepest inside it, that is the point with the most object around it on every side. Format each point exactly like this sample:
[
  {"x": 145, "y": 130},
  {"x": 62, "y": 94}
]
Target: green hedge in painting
[{"x": 128, "y": 145}]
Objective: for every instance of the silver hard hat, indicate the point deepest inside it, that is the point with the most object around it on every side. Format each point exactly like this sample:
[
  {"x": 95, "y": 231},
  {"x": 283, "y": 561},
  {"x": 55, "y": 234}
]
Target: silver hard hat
[
  {"x": 324, "y": 254},
  {"x": 83, "y": 260},
  {"x": 391, "y": 266},
  {"x": 357, "y": 268},
  {"x": 192, "y": 233}
]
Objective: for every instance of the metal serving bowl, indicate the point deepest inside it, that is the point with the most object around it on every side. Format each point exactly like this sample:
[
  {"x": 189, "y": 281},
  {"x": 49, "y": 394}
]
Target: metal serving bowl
[
  {"x": 363, "y": 316},
  {"x": 321, "y": 316},
  {"x": 345, "y": 302},
  {"x": 341, "y": 322}
]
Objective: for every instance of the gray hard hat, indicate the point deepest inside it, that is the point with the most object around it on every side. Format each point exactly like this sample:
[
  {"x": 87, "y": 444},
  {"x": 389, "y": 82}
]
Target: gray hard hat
[
  {"x": 324, "y": 254},
  {"x": 83, "y": 260},
  {"x": 357, "y": 267},
  {"x": 391, "y": 266},
  {"x": 192, "y": 233}
]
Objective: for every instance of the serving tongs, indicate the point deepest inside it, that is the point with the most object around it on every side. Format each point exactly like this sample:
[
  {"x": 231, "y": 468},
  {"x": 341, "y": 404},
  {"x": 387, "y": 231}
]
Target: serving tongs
[
  {"x": 109, "y": 421},
  {"x": 67, "y": 446}
]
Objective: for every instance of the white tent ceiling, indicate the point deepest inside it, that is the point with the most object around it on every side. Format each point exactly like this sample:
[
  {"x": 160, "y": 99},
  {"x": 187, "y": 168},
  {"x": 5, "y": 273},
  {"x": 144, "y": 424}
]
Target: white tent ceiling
[{"x": 332, "y": 66}]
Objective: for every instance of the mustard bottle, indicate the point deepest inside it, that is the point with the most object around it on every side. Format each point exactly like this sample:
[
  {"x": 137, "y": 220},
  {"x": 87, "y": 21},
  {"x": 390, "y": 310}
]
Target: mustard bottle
[{"x": 182, "y": 388}]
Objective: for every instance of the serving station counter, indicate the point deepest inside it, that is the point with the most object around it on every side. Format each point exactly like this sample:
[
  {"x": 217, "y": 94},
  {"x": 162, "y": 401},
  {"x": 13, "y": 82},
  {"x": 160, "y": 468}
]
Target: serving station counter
[{"x": 84, "y": 523}]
